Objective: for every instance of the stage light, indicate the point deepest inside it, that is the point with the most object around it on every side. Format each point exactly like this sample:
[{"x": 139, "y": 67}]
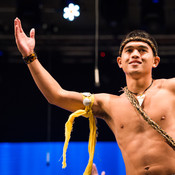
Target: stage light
[
  {"x": 102, "y": 54},
  {"x": 155, "y": 1},
  {"x": 1, "y": 53},
  {"x": 71, "y": 12}
]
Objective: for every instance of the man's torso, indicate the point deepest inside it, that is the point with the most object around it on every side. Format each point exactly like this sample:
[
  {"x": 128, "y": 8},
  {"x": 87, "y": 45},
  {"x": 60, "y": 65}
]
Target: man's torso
[{"x": 144, "y": 150}]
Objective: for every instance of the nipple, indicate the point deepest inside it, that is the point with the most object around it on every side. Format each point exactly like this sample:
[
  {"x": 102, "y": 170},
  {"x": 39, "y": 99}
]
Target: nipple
[
  {"x": 121, "y": 126},
  {"x": 163, "y": 118}
]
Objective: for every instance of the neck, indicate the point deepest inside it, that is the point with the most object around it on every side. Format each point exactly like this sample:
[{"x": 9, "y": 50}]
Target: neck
[{"x": 138, "y": 86}]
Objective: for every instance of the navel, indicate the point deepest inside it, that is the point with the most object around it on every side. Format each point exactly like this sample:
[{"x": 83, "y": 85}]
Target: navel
[
  {"x": 147, "y": 168},
  {"x": 147, "y": 172}
]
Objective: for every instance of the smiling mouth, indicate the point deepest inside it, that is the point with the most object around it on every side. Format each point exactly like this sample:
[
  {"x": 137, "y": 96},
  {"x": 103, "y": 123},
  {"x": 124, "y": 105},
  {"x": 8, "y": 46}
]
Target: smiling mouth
[{"x": 135, "y": 62}]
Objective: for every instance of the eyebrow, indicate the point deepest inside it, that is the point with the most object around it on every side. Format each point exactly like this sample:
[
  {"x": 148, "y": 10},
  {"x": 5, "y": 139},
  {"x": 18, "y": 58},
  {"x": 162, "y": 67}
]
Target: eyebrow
[{"x": 140, "y": 46}]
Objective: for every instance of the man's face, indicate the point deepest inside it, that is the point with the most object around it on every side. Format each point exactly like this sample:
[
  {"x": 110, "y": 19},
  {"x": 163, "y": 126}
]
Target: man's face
[{"x": 137, "y": 57}]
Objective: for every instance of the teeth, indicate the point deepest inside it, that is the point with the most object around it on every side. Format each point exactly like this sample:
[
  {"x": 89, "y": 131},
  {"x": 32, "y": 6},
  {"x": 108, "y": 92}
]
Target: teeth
[{"x": 135, "y": 62}]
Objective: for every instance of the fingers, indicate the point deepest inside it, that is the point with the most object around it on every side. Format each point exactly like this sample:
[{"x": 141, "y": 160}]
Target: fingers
[
  {"x": 103, "y": 173},
  {"x": 18, "y": 28},
  {"x": 94, "y": 167},
  {"x": 94, "y": 170},
  {"x": 32, "y": 33},
  {"x": 17, "y": 25}
]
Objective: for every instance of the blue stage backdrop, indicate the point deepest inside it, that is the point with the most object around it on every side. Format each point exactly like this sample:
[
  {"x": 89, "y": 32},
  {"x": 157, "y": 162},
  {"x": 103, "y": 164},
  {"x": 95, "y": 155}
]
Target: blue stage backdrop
[{"x": 33, "y": 159}]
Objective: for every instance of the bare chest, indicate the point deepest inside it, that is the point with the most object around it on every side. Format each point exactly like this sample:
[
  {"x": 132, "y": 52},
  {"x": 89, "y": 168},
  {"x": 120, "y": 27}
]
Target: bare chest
[
  {"x": 134, "y": 135},
  {"x": 127, "y": 121}
]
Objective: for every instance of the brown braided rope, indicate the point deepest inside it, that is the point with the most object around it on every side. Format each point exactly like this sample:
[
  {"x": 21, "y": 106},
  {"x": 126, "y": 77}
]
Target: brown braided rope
[
  {"x": 153, "y": 124},
  {"x": 138, "y": 38}
]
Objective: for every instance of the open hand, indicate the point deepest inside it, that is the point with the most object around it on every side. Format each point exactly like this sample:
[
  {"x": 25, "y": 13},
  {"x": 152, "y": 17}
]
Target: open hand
[
  {"x": 95, "y": 172},
  {"x": 25, "y": 44}
]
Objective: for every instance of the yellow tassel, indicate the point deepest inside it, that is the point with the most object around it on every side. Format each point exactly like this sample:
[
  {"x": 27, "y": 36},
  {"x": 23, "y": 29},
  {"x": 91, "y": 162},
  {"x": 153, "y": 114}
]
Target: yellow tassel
[{"x": 87, "y": 112}]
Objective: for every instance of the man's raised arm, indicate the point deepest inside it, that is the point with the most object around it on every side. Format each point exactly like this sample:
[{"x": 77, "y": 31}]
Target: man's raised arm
[{"x": 46, "y": 83}]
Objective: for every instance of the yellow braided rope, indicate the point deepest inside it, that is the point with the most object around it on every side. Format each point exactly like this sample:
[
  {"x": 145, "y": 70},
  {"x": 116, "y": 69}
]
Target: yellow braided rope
[{"x": 87, "y": 112}]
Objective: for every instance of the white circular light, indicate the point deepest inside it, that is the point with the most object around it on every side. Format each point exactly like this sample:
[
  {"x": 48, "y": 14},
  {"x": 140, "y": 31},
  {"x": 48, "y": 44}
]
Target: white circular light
[{"x": 71, "y": 12}]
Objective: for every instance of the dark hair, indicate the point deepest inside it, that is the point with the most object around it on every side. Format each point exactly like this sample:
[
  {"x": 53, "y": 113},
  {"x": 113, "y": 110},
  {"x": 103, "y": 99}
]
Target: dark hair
[{"x": 139, "y": 35}]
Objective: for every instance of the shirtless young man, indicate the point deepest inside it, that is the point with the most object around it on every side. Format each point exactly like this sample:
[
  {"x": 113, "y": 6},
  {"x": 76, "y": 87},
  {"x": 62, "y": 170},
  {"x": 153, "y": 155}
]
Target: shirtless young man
[{"x": 144, "y": 150}]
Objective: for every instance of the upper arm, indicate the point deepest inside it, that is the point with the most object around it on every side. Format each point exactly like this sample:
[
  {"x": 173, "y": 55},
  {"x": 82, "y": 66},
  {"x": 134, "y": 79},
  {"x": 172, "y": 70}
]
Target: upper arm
[
  {"x": 72, "y": 101},
  {"x": 69, "y": 100}
]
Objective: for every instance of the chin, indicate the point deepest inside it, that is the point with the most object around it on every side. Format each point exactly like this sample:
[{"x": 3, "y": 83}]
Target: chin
[{"x": 135, "y": 73}]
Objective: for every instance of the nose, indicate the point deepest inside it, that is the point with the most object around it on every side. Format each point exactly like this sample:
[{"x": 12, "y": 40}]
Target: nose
[{"x": 135, "y": 54}]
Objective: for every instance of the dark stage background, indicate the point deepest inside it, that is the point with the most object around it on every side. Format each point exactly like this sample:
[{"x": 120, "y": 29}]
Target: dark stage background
[{"x": 67, "y": 50}]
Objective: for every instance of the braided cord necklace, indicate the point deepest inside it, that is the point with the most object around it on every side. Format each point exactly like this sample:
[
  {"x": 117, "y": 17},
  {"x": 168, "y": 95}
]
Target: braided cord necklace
[
  {"x": 141, "y": 96},
  {"x": 153, "y": 124}
]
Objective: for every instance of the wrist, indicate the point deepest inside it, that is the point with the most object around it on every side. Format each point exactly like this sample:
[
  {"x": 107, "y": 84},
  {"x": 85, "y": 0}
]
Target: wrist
[
  {"x": 26, "y": 52},
  {"x": 30, "y": 58}
]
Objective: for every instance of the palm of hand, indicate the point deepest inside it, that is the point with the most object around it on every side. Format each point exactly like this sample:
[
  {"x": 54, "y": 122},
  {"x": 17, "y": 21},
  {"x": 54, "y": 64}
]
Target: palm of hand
[{"x": 25, "y": 44}]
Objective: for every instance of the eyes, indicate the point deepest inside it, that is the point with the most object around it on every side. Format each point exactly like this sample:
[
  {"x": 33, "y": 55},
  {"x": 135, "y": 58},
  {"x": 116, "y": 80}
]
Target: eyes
[{"x": 141, "y": 50}]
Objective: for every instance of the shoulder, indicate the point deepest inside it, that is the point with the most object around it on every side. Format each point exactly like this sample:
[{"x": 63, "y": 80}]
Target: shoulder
[
  {"x": 167, "y": 84},
  {"x": 102, "y": 104},
  {"x": 103, "y": 98}
]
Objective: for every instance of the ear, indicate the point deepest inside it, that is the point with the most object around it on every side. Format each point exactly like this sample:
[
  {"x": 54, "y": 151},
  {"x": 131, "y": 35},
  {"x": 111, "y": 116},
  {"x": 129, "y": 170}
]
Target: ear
[
  {"x": 119, "y": 61},
  {"x": 156, "y": 61}
]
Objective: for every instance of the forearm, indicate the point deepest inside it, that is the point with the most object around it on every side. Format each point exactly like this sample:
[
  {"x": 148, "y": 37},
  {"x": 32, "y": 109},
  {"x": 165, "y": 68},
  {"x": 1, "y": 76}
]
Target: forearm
[{"x": 44, "y": 81}]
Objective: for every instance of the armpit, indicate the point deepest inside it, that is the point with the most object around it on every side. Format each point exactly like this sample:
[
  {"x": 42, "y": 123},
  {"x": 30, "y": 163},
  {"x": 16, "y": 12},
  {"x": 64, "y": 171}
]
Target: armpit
[
  {"x": 101, "y": 114},
  {"x": 101, "y": 106}
]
